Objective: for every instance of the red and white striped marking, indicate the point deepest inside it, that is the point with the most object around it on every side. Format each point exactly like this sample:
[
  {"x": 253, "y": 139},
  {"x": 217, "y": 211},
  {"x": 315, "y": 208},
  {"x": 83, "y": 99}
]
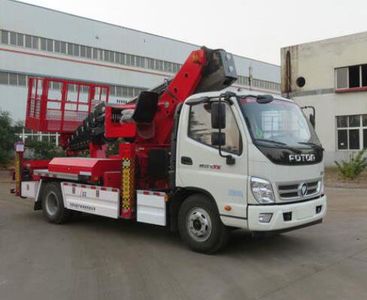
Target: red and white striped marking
[{"x": 144, "y": 192}]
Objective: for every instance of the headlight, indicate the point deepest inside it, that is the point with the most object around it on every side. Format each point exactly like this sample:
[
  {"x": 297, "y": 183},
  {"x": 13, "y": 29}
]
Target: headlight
[{"x": 262, "y": 190}]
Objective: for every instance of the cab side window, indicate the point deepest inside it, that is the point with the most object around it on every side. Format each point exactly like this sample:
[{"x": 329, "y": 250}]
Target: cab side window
[{"x": 200, "y": 128}]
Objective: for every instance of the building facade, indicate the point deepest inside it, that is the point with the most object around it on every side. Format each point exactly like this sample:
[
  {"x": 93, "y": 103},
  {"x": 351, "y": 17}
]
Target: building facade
[
  {"x": 36, "y": 41},
  {"x": 331, "y": 75}
]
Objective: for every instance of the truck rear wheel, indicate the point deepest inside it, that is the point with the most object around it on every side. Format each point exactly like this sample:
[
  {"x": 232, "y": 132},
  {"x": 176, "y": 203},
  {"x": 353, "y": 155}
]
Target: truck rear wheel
[
  {"x": 200, "y": 226},
  {"x": 53, "y": 204}
]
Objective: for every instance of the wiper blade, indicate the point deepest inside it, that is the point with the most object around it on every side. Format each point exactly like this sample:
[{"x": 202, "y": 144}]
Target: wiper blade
[
  {"x": 271, "y": 141},
  {"x": 280, "y": 145},
  {"x": 312, "y": 144}
]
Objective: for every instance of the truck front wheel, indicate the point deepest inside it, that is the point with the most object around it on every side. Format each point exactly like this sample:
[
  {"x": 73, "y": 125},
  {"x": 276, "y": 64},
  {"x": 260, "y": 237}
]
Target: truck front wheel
[
  {"x": 200, "y": 226},
  {"x": 53, "y": 204}
]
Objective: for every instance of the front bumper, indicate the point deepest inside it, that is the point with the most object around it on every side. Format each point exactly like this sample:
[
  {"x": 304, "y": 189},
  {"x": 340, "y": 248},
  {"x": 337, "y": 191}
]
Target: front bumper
[{"x": 302, "y": 214}]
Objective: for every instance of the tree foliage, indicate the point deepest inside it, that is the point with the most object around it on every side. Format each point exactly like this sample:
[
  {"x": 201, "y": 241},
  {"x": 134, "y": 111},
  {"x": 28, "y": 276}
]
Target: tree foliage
[
  {"x": 43, "y": 150},
  {"x": 355, "y": 166},
  {"x": 7, "y": 138},
  {"x": 34, "y": 149}
]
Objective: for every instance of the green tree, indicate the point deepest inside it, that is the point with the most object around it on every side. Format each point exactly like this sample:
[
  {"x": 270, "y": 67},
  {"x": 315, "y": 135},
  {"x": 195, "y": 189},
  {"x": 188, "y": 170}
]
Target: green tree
[
  {"x": 44, "y": 150},
  {"x": 7, "y": 138}
]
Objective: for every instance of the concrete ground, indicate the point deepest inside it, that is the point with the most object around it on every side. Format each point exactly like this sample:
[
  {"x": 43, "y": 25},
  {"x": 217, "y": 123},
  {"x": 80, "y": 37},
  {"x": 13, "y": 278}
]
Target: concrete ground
[{"x": 96, "y": 258}]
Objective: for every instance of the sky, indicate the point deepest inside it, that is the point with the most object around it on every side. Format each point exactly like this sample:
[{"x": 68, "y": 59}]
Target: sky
[{"x": 251, "y": 28}]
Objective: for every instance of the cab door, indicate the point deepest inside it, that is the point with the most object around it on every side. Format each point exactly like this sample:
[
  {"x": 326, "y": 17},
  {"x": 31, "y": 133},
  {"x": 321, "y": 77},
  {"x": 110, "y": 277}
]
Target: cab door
[{"x": 200, "y": 166}]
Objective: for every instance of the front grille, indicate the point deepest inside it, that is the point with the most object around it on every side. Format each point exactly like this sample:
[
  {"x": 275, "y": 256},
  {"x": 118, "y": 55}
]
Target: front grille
[{"x": 291, "y": 191}]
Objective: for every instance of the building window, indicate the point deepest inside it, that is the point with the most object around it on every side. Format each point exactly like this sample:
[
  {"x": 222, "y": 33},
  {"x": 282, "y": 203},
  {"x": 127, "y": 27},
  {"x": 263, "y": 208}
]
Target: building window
[
  {"x": 120, "y": 58},
  {"x": 351, "y": 77},
  {"x": 73, "y": 49},
  {"x": 89, "y": 52},
  {"x": 47, "y": 45},
  {"x": 13, "y": 79},
  {"x": 35, "y": 41},
  {"x": 32, "y": 42},
  {"x": 110, "y": 56},
  {"x": 119, "y": 91},
  {"x": 351, "y": 132},
  {"x": 83, "y": 51},
  {"x": 130, "y": 60},
  {"x": 159, "y": 65},
  {"x": 70, "y": 49},
  {"x": 86, "y": 51},
  {"x": 4, "y": 78},
  {"x": 63, "y": 47},
  {"x": 166, "y": 66},
  {"x": 76, "y": 50},
  {"x": 354, "y": 80},
  {"x": 342, "y": 139},
  {"x": 106, "y": 55},
  {"x": 96, "y": 54},
  {"x": 60, "y": 47},
  {"x": 28, "y": 41},
  {"x": 130, "y": 92},
  {"x": 140, "y": 61},
  {"x": 43, "y": 44},
  {"x": 22, "y": 80},
  {"x": 151, "y": 63},
  {"x": 20, "y": 40},
  {"x": 112, "y": 90},
  {"x": 13, "y": 38},
  {"x": 50, "y": 45},
  {"x": 4, "y": 37}
]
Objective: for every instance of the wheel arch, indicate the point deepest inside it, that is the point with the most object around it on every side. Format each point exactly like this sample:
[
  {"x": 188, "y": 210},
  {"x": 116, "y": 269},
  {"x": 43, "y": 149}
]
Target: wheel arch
[
  {"x": 179, "y": 197},
  {"x": 41, "y": 189}
]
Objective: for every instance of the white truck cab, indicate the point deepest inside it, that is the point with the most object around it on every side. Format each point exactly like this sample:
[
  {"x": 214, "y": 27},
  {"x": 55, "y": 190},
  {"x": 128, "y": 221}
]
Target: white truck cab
[{"x": 257, "y": 156}]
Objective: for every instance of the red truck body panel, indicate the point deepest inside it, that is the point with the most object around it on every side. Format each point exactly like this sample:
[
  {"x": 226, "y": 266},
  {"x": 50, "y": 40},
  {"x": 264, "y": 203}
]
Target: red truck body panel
[{"x": 94, "y": 167}]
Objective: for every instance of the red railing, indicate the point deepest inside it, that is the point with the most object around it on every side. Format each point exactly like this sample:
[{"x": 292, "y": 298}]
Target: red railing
[{"x": 55, "y": 105}]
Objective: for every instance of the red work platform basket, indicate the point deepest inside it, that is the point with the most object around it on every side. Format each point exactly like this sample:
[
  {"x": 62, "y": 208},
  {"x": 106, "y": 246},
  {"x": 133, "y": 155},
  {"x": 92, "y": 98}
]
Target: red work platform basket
[{"x": 55, "y": 105}]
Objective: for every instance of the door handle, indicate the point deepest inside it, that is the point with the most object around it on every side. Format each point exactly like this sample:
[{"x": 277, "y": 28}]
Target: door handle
[{"x": 185, "y": 160}]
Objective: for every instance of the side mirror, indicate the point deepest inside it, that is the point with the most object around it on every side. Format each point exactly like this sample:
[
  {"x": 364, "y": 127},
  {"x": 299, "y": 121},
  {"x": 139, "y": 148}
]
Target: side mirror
[
  {"x": 312, "y": 116},
  {"x": 312, "y": 120},
  {"x": 218, "y": 115},
  {"x": 218, "y": 138}
]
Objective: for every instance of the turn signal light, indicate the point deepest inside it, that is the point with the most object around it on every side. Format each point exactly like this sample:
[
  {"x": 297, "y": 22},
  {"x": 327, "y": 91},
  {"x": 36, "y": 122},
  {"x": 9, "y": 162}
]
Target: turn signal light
[{"x": 227, "y": 207}]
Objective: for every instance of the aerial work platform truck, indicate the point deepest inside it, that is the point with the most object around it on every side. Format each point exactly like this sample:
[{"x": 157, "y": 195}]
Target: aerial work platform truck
[{"x": 193, "y": 154}]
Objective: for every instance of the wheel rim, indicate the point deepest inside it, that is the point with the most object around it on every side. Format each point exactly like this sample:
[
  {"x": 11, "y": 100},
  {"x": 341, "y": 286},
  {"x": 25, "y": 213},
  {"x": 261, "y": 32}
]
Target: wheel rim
[
  {"x": 199, "y": 225},
  {"x": 51, "y": 203}
]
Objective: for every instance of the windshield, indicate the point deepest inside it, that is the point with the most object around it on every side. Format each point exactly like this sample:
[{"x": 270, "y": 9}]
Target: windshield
[{"x": 278, "y": 122}]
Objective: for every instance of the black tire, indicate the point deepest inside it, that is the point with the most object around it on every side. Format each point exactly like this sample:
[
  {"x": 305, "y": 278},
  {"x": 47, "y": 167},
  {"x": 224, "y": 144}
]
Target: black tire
[
  {"x": 53, "y": 205},
  {"x": 200, "y": 226}
]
